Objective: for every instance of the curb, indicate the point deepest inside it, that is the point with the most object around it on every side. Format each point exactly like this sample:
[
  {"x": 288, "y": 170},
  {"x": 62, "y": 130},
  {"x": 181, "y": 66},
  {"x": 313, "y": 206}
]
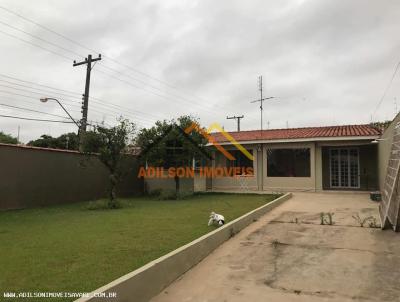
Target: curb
[{"x": 149, "y": 280}]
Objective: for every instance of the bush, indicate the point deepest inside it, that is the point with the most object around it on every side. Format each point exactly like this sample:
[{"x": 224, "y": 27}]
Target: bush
[
  {"x": 155, "y": 193},
  {"x": 103, "y": 204},
  {"x": 167, "y": 195}
]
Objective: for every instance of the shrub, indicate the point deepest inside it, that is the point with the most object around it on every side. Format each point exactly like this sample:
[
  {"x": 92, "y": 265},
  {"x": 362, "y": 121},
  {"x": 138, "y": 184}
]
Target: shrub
[
  {"x": 167, "y": 195},
  {"x": 103, "y": 204}
]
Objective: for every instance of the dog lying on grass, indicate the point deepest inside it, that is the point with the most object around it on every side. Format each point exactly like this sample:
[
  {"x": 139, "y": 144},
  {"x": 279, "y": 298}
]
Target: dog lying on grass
[{"x": 216, "y": 219}]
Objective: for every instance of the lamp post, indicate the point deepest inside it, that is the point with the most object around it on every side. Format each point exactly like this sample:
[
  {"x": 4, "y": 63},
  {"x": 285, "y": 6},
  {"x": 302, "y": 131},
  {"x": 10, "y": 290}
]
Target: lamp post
[{"x": 44, "y": 100}]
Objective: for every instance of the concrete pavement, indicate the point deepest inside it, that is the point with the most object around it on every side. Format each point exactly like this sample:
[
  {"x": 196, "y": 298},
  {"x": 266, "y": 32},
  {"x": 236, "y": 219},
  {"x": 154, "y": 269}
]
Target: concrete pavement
[{"x": 287, "y": 255}]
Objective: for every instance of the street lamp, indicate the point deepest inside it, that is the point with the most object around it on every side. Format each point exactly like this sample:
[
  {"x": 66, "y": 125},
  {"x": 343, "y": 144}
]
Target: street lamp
[{"x": 44, "y": 100}]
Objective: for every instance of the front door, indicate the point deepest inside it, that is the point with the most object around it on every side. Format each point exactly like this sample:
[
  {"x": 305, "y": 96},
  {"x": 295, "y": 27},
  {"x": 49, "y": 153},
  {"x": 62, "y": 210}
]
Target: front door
[{"x": 344, "y": 168}]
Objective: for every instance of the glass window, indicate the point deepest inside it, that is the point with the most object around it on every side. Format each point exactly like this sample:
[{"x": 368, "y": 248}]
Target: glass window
[
  {"x": 241, "y": 160},
  {"x": 288, "y": 162}
]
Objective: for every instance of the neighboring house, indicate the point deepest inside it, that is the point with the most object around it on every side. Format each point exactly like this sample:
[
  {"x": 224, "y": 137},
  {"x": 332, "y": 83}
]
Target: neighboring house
[{"x": 305, "y": 159}]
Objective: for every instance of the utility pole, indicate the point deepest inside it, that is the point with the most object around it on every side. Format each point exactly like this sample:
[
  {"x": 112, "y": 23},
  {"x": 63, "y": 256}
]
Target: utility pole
[
  {"x": 238, "y": 118},
  {"x": 261, "y": 100},
  {"x": 88, "y": 61}
]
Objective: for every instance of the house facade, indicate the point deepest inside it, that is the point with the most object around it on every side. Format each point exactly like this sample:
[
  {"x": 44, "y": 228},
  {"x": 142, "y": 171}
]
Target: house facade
[{"x": 302, "y": 159}]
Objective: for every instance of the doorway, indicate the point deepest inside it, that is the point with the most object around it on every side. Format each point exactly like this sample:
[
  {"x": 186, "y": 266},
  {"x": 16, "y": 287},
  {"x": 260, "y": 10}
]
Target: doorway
[{"x": 344, "y": 168}]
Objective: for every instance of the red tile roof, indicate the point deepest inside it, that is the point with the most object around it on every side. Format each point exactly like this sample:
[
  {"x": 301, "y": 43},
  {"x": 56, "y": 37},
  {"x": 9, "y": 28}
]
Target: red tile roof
[{"x": 299, "y": 133}]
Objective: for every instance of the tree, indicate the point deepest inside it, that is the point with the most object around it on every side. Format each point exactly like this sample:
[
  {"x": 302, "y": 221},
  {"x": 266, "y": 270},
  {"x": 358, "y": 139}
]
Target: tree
[
  {"x": 45, "y": 141},
  {"x": 7, "y": 139},
  {"x": 382, "y": 126},
  {"x": 67, "y": 141},
  {"x": 111, "y": 145},
  {"x": 167, "y": 145}
]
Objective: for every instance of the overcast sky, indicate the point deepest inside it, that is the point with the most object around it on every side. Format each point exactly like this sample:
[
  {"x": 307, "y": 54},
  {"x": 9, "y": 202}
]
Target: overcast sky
[{"x": 326, "y": 62}]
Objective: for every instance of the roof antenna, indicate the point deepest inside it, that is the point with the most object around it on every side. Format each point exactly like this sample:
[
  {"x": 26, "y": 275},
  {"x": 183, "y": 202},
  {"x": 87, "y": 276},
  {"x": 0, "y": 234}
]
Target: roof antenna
[{"x": 261, "y": 100}]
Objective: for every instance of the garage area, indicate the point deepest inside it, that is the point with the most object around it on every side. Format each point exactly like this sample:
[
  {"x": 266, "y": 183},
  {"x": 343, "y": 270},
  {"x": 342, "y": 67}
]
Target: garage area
[{"x": 288, "y": 255}]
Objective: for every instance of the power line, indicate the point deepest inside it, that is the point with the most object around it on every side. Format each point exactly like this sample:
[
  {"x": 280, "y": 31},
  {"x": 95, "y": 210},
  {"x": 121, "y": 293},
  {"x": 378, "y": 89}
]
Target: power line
[
  {"x": 96, "y": 110},
  {"x": 39, "y": 89},
  {"x": 154, "y": 93},
  {"x": 41, "y": 94},
  {"x": 99, "y": 112},
  {"x": 37, "y": 84},
  {"x": 121, "y": 80},
  {"x": 36, "y": 45},
  {"x": 31, "y": 110},
  {"x": 35, "y": 119},
  {"x": 155, "y": 88},
  {"x": 70, "y": 94},
  {"x": 71, "y": 103},
  {"x": 46, "y": 28},
  {"x": 41, "y": 39},
  {"x": 93, "y": 50},
  {"x": 387, "y": 88},
  {"x": 237, "y": 118}
]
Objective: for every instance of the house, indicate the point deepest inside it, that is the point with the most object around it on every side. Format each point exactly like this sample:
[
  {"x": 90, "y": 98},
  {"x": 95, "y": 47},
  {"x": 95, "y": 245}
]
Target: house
[{"x": 304, "y": 159}]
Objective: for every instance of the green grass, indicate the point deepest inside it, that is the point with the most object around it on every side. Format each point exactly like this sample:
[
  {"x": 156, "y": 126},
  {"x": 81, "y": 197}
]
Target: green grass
[{"x": 73, "y": 249}]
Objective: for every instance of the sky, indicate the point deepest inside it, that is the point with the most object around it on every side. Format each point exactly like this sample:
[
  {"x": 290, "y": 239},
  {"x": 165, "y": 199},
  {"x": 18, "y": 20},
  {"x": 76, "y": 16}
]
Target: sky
[{"x": 324, "y": 62}]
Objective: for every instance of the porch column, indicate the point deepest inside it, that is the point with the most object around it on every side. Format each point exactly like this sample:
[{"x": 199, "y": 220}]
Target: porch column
[{"x": 260, "y": 167}]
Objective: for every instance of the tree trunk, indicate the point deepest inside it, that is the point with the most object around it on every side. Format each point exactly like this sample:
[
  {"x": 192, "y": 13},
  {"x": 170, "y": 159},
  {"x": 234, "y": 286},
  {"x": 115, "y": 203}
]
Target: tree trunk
[
  {"x": 113, "y": 183},
  {"x": 177, "y": 185}
]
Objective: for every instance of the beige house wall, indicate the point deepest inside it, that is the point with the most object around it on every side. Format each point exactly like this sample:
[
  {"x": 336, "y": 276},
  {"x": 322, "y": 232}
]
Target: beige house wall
[
  {"x": 289, "y": 183},
  {"x": 262, "y": 182},
  {"x": 234, "y": 183}
]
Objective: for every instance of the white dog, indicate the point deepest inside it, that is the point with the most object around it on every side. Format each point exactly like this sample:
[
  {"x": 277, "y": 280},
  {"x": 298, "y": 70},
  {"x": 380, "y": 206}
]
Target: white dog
[{"x": 216, "y": 219}]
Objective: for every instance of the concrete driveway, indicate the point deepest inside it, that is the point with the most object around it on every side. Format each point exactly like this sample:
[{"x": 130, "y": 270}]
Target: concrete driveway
[{"x": 289, "y": 256}]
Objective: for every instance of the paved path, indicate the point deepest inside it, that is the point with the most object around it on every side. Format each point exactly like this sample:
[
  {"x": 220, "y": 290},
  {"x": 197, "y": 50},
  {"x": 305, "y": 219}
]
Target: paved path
[{"x": 277, "y": 259}]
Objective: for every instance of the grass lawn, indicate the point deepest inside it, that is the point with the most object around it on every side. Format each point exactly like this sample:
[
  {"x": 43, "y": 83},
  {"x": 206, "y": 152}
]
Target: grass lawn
[{"x": 72, "y": 249}]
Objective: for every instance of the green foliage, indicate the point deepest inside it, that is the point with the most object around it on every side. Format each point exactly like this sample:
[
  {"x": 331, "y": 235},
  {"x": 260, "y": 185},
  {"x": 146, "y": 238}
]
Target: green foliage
[
  {"x": 7, "y": 139},
  {"x": 168, "y": 195},
  {"x": 92, "y": 142},
  {"x": 326, "y": 218},
  {"x": 115, "y": 242},
  {"x": 67, "y": 141},
  {"x": 161, "y": 194},
  {"x": 371, "y": 220},
  {"x": 103, "y": 204},
  {"x": 164, "y": 144},
  {"x": 381, "y": 125},
  {"x": 111, "y": 145}
]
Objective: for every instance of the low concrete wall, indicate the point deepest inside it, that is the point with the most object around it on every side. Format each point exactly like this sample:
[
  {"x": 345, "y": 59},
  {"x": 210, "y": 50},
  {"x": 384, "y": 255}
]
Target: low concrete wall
[
  {"x": 31, "y": 177},
  {"x": 149, "y": 280}
]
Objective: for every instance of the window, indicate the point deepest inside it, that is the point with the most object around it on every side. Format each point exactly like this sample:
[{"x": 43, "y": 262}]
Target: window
[
  {"x": 241, "y": 160},
  {"x": 288, "y": 162}
]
